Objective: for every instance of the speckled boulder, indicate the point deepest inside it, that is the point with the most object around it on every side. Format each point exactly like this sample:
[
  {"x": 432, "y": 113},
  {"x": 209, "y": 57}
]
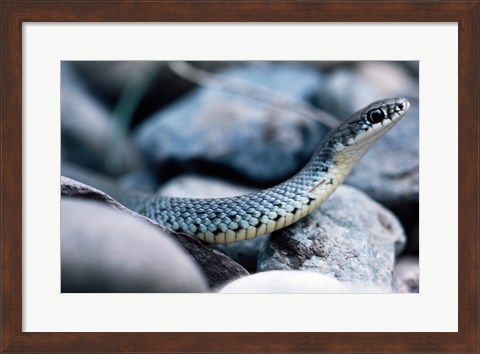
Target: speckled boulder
[
  {"x": 235, "y": 136},
  {"x": 350, "y": 237}
]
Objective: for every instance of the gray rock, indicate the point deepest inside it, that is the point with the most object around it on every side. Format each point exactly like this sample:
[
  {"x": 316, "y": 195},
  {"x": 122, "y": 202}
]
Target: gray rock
[
  {"x": 109, "y": 80},
  {"x": 216, "y": 267},
  {"x": 235, "y": 136},
  {"x": 195, "y": 186},
  {"x": 246, "y": 252},
  {"x": 349, "y": 88},
  {"x": 389, "y": 78},
  {"x": 104, "y": 250},
  {"x": 407, "y": 275},
  {"x": 88, "y": 130},
  {"x": 294, "y": 281},
  {"x": 350, "y": 237}
]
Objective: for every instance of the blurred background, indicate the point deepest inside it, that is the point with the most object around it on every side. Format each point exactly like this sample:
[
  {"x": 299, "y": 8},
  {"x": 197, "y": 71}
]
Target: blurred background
[{"x": 213, "y": 129}]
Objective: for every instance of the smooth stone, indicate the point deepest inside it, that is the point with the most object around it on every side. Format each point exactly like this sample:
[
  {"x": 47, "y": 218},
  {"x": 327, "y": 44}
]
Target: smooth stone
[
  {"x": 348, "y": 88},
  {"x": 350, "y": 237},
  {"x": 295, "y": 282},
  {"x": 216, "y": 267},
  {"x": 196, "y": 186},
  {"x": 120, "y": 253},
  {"x": 233, "y": 136},
  {"x": 400, "y": 81},
  {"x": 407, "y": 275}
]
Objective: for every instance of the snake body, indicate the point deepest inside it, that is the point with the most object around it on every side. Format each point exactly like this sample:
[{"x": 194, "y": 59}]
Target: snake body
[{"x": 221, "y": 220}]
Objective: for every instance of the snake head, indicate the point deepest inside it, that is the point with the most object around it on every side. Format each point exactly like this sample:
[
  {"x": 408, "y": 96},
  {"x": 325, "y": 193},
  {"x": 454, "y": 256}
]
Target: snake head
[{"x": 370, "y": 123}]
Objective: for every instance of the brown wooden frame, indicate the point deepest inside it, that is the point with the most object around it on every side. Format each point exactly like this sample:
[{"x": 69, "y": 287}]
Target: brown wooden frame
[{"x": 14, "y": 13}]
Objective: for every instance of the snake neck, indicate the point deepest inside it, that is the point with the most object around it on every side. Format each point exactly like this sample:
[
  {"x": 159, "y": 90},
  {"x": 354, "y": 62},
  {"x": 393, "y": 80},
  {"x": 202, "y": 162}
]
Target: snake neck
[{"x": 320, "y": 177}]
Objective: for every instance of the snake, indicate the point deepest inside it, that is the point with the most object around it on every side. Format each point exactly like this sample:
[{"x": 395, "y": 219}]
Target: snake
[{"x": 233, "y": 219}]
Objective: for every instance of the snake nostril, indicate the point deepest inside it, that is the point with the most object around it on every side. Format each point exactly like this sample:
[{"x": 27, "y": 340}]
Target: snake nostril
[{"x": 401, "y": 106}]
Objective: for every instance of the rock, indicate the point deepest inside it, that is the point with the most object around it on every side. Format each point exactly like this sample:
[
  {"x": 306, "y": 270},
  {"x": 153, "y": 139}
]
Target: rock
[
  {"x": 234, "y": 136},
  {"x": 407, "y": 275},
  {"x": 344, "y": 92},
  {"x": 246, "y": 252},
  {"x": 389, "y": 78},
  {"x": 349, "y": 88},
  {"x": 120, "y": 253},
  {"x": 87, "y": 130},
  {"x": 112, "y": 81},
  {"x": 294, "y": 281},
  {"x": 216, "y": 267},
  {"x": 195, "y": 186},
  {"x": 107, "y": 79},
  {"x": 349, "y": 237}
]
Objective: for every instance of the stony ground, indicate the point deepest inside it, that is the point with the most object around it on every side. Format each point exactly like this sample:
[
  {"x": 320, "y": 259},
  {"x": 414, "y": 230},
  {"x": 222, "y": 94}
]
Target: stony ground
[{"x": 217, "y": 129}]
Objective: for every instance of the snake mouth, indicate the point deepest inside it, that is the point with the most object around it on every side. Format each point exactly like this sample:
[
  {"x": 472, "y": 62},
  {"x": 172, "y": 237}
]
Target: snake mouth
[{"x": 398, "y": 108}]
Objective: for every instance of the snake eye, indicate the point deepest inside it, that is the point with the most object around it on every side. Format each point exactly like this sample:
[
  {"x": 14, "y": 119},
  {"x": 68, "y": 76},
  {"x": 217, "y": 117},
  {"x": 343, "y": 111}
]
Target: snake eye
[{"x": 375, "y": 116}]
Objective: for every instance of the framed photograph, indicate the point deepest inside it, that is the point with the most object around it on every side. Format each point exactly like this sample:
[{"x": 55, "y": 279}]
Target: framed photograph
[{"x": 165, "y": 169}]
